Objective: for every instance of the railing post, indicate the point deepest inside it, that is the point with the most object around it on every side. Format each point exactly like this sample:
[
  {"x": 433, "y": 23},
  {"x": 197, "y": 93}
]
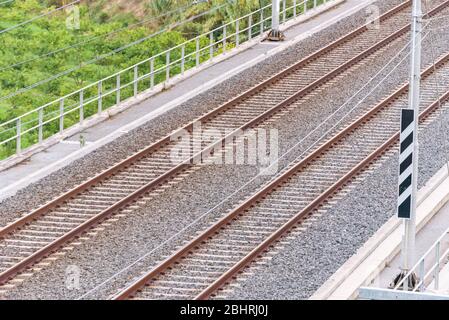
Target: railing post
[
  {"x": 61, "y": 115},
  {"x": 250, "y": 27},
  {"x": 436, "y": 280},
  {"x": 252, "y": 24},
  {"x": 118, "y": 90},
  {"x": 152, "y": 73},
  {"x": 421, "y": 275},
  {"x": 183, "y": 58},
  {"x": 19, "y": 135},
  {"x": 197, "y": 51},
  {"x": 284, "y": 11},
  {"x": 41, "y": 118},
  {"x": 305, "y": 6},
  {"x": 211, "y": 45},
  {"x": 237, "y": 31},
  {"x": 100, "y": 96},
  {"x": 167, "y": 65},
  {"x": 81, "y": 106},
  {"x": 224, "y": 38},
  {"x": 136, "y": 77}
]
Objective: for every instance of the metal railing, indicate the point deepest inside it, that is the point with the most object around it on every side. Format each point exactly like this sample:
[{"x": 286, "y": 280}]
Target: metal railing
[
  {"x": 428, "y": 267},
  {"x": 74, "y": 108}
]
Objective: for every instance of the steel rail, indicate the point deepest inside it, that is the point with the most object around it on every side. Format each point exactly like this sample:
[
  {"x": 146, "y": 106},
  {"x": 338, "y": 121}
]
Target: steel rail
[
  {"x": 76, "y": 232},
  {"x": 239, "y": 211},
  {"x": 336, "y": 42},
  {"x": 312, "y": 206},
  {"x": 127, "y": 162}
]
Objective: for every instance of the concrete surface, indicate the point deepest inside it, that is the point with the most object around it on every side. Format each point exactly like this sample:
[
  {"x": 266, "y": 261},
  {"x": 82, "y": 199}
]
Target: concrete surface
[
  {"x": 378, "y": 261},
  {"x": 143, "y": 109},
  {"x": 443, "y": 282}
]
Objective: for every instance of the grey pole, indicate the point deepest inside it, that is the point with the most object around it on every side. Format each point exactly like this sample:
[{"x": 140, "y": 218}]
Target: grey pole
[
  {"x": 275, "y": 34},
  {"x": 275, "y": 15},
  {"x": 408, "y": 158},
  {"x": 414, "y": 101},
  {"x": 408, "y": 170}
]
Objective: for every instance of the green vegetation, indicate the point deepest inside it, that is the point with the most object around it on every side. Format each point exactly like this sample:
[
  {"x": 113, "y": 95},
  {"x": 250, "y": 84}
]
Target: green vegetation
[{"x": 26, "y": 56}]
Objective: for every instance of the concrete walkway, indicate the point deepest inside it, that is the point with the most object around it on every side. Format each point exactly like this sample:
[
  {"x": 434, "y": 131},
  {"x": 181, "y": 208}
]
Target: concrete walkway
[
  {"x": 425, "y": 238},
  {"x": 378, "y": 262},
  {"x": 68, "y": 150}
]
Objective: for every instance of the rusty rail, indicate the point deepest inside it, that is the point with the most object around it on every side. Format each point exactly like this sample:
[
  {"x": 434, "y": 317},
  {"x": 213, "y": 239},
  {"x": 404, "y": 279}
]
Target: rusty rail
[
  {"x": 110, "y": 171},
  {"x": 239, "y": 211},
  {"x": 55, "y": 245}
]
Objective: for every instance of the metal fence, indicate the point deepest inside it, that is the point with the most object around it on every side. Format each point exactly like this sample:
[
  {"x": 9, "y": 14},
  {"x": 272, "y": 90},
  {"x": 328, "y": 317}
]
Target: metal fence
[
  {"x": 422, "y": 282},
  {"x": 74, "y": 108},
  {"x": 428, "y": 267}
]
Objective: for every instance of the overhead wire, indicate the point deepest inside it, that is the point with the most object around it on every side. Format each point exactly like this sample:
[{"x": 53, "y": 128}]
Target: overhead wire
[
  {"x": 334, "y": 126},
  {"x": 103, "y": 56},
  {"x": 437, "y": 77},
  {"x": 38, "y": 17},
  {"x": 84, "y": 42},
  {"x": 5, "y": 2}
]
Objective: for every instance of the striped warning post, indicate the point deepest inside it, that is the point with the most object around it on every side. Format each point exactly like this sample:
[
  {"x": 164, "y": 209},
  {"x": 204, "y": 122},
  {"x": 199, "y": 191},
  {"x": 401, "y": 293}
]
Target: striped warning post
[{"x": 406, "y": 163}]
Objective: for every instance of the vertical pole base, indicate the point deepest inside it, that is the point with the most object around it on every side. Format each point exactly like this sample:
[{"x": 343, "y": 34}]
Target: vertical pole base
[
  {"x": 411, "y": 282},
  {"x": 276, "y": 35}
]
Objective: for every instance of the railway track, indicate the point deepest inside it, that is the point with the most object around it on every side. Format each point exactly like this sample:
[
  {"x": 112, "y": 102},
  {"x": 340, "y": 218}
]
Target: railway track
[
  {"x": 33, "y": 237},
  {"x": 215, "y": 257}
]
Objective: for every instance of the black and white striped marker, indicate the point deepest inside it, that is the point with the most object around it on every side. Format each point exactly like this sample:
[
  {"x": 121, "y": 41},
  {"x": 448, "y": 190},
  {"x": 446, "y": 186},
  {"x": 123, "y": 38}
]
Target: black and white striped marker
[{"x": 406, "y": 163}]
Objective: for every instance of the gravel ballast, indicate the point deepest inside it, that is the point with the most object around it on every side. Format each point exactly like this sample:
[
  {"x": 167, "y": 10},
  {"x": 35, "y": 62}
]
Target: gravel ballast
[
  {"x": 42, "y": 191},
  {"x": 147, "y": 227},
  {"x": 309, "y": 259}
]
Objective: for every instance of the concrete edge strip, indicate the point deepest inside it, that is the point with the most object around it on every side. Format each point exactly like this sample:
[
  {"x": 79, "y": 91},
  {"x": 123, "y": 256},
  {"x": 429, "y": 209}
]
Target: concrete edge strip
[
  {"x": 13, "y": 188},
  {"x": 431, "y": 198},
  {"x": 130, "y": 102}
]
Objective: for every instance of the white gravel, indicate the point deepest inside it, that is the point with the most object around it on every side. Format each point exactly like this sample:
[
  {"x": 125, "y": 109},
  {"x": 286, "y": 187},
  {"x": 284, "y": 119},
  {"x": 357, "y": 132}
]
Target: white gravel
[
  {"x": 44, "y": 190},
  {"x": 309, "y": 259},
  {"x": 111, "y": 250}
]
